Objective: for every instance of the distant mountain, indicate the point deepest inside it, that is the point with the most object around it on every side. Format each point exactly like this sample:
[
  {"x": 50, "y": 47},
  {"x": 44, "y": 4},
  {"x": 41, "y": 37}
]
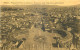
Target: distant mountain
[{"x": 37, "y": 6}]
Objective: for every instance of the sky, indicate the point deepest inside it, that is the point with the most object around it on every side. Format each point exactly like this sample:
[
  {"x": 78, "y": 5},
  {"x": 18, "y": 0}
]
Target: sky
[{"x": 40, "y": 2}]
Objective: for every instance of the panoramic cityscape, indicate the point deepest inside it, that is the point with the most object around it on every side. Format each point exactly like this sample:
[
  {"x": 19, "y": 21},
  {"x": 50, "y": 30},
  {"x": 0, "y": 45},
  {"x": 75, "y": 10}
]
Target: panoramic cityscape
[{"x": 40, "y": 27}]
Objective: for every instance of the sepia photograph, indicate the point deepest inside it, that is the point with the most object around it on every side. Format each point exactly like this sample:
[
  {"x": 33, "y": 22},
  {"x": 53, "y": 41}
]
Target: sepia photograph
[{"x": 40, "y": 25}]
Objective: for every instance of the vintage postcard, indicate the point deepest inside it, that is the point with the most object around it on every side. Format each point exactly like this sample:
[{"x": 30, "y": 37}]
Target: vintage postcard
[{"x": 39, "y": 24}]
